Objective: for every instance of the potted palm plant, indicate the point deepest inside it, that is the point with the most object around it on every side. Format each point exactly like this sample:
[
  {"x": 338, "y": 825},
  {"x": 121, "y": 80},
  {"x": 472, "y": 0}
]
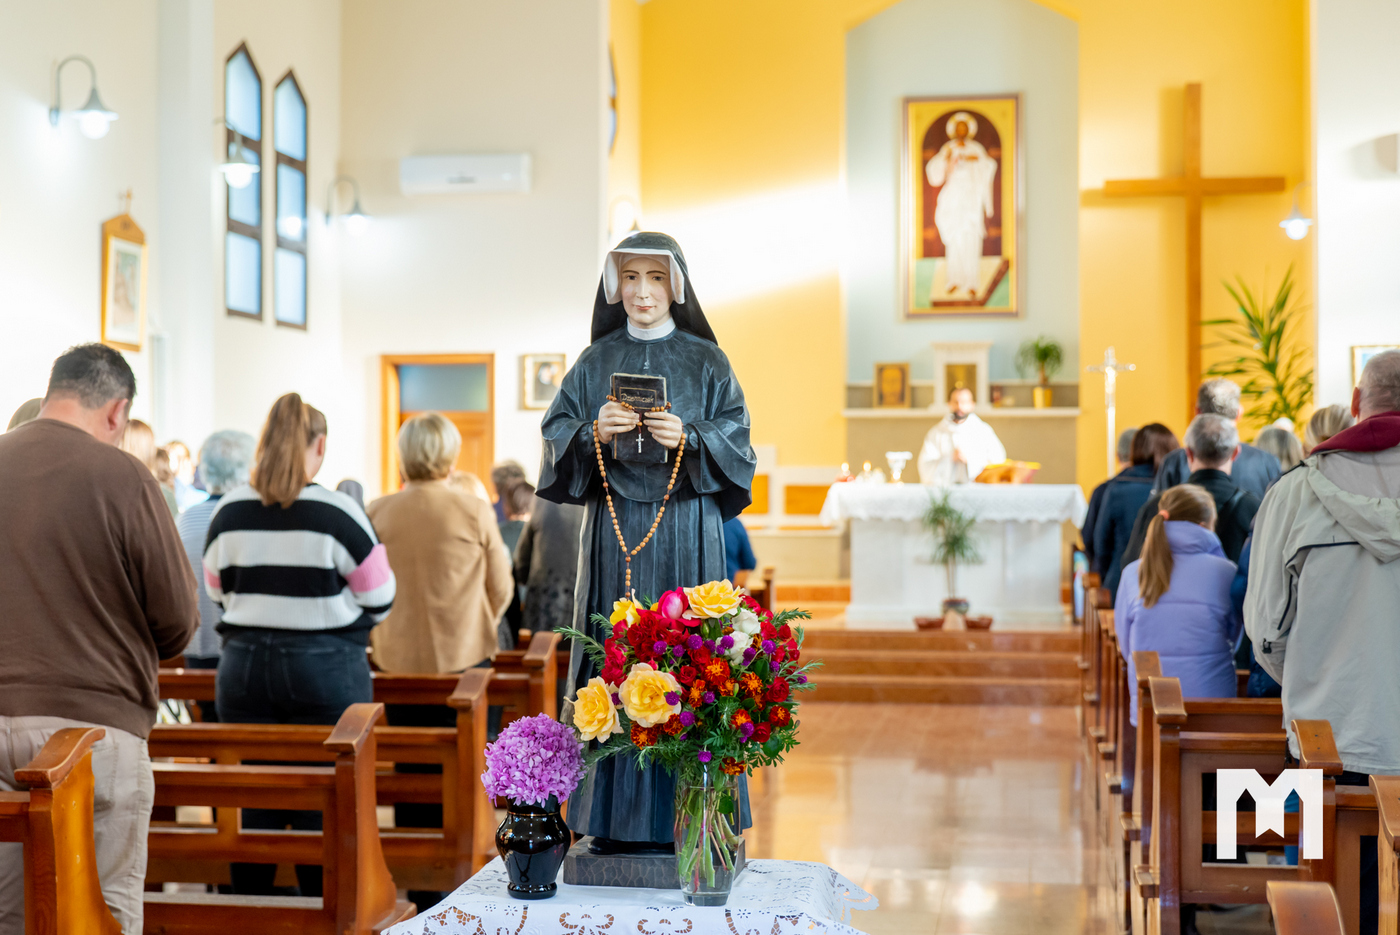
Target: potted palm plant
[
  {"x": 1043, "y": 356},
  {"x": 953, "y": 543}
]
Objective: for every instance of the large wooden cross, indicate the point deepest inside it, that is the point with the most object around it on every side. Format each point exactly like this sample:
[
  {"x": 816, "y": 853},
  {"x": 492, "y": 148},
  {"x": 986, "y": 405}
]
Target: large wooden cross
[{"x": 1194, "y": 187}]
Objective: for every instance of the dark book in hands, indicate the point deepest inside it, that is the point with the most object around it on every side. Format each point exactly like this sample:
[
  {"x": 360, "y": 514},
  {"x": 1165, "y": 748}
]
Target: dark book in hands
[{"x": 643, "y": 392}]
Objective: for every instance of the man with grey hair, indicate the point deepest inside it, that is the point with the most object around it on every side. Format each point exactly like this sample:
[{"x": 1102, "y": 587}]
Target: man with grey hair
[
  {"x": 225, "y": 460},
  {"x": 1324, "y": 574},
  {"x": 1091, "y": 517},
  {"x": 1254, "y": 469},
  {"x": 1212, "y": 449},
  {"x": 94, "y": 591}
]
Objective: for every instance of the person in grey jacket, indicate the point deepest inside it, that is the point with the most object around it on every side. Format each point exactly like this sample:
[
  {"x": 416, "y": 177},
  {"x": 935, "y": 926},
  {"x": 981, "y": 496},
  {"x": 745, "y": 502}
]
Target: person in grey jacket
[
  {"x": 1324, "y": 575},
  {"x": 1254, "y": 470}
]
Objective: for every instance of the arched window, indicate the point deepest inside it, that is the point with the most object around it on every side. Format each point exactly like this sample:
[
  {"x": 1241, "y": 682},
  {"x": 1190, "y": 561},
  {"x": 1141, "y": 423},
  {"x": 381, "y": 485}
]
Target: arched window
[
  {"x": 243, "y": 239},
  {"x": 289, "y": 259}
]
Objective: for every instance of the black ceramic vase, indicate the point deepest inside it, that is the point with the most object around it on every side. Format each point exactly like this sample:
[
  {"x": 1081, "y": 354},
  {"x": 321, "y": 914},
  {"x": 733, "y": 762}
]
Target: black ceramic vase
[{"x": 533, "y": 841}]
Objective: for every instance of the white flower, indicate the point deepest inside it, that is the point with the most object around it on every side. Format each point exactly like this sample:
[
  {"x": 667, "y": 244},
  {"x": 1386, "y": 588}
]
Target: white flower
[
  {"x": 746, "y": 622},
  {"x": 741, "y": 643}
]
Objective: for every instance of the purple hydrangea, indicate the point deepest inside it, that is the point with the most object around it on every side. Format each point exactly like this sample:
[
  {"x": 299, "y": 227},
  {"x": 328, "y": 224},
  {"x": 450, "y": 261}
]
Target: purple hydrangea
[
  {"x": 768, "y": 647},
  {"x": 693, "y": 641},
  {"x": 687, "y": 718},
  {"x": 709, "y": 698},
  {"x": 533, "y": 759},
  {"x": 673, "y": 698},
  {"x": 659, "y": 646},
  {"x": 726, "y": 643},
  {"x": 704, "y": 756}
]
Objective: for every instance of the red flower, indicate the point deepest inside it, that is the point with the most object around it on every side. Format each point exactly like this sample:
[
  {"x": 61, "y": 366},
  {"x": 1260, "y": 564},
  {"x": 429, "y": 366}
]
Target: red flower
[
  {"x": 697, "y": 693},
  {"x": 766, "y": 628},
  {"x": 762, "y": 732},
  {"x": 687, "y": 675},
  {"x": 740, "y": 718},
  {"x": 673, "y": 727},
  {"x": 701, "y": 656},
  {"x": 785, "y": 632},
  {"x": 673, "y": 604},
  {"x": 779, "y": 690},
  {"x": 644, "y": 736},
  {"x": 729, "y": 687},
  {"x": 731, "y": 766},
  {"x": 793, "y": 650},
  {"x": 779, "y": 717},
  {"x": 717, "y": 671},
  {"x": 753, "y": 685}
]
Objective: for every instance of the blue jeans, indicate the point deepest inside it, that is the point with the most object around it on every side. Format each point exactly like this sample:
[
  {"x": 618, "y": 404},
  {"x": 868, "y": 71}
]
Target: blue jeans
[{"x": 269, "y": 677}]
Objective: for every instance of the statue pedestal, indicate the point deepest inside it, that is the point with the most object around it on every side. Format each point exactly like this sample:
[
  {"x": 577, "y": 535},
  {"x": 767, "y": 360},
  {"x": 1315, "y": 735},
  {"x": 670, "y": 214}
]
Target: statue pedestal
[{"x": 643, "y": 871}]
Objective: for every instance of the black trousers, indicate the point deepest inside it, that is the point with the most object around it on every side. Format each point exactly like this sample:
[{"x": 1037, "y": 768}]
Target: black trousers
[
  {"x": 287, "y": 678},
  {"x": 208, "y": 710}
]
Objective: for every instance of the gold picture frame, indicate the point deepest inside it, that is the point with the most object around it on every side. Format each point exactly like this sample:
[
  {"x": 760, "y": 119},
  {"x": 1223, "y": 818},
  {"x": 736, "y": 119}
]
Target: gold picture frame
[
  {"x": 962, "y": 247},
  {"x": 1361, "y": 354},
  {"x": 892, "y": 390},
  {"x": 540, "y": 377},
  {"x": 124, "y": 284}
]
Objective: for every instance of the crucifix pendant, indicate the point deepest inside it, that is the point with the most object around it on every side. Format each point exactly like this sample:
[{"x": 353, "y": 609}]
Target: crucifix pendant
[{"x": 639, "y": 441}]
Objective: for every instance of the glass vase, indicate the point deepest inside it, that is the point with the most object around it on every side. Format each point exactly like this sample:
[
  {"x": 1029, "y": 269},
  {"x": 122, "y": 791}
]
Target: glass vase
[
  {"x": 532, "y": 841},
  {"x": 707, "y": 835}
]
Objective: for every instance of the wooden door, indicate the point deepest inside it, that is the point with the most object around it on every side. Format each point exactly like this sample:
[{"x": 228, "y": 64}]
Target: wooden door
[{"x": 460, "y": 386}]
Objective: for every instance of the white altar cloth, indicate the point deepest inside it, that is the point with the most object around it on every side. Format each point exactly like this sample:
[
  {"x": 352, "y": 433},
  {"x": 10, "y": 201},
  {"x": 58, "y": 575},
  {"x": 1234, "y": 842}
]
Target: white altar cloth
[
  {"x": 1018, "y": 525},
  {"x": 771, "y": 897}
]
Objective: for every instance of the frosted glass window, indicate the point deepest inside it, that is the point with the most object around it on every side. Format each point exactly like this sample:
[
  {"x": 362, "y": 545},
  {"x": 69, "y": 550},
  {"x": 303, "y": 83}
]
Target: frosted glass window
[
  {"x": 443, "y": 387},
  {"x": 245, "y": 204},
  {"x": 289, "y": 114},
  {"x": 243, "y": 274},
  {"x": 289, "y": 277},
  {"x": 243, "y": 95},
  {"x": 291, "y": 203}
]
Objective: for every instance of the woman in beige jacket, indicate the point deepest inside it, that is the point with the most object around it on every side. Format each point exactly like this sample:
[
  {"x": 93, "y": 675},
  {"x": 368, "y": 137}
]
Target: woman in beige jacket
[{"x": 454, "y": 576}]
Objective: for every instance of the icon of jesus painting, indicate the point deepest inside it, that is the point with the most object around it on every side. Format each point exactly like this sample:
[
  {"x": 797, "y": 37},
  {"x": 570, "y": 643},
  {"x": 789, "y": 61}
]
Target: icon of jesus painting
[{"x": 961, "y": 170}]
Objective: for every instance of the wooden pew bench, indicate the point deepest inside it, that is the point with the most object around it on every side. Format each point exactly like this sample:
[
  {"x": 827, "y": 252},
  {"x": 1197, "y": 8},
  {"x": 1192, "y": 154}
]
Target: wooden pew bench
[
  {"x": 1304, "y": 908},
  {"x": 419, "y": 858},
  {"x": 53, "y": 820},
  {"x": 359, "y": 895}
]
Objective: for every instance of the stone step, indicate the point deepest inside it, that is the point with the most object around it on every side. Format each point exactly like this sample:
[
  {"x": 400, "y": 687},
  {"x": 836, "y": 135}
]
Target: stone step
[
  {"x": 1008, "y": 665},
  {"x": 966, "y": 641},
  {"x": 896, "y": 689}
]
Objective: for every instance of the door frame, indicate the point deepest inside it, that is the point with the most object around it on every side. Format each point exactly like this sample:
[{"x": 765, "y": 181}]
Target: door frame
[{"x": 389, "y": 405}]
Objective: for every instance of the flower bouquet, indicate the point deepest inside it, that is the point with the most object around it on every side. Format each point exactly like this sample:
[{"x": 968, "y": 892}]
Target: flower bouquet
[
  {"x": 535, "y": 763},
  {"x": 702, "y": 682}
]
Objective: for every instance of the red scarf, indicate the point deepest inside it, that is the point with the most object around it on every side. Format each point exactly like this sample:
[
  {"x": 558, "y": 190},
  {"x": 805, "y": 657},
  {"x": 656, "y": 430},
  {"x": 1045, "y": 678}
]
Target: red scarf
[{"x": 1377, "y": 433}]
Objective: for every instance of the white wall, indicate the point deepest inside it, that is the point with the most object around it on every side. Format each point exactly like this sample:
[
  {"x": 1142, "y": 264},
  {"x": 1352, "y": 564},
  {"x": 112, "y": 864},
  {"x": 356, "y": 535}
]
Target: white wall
[
  {"x": 509, "y": 274},
  {"x": 1356, "y": 103},
  {"x": 950, "y": 47},
  {"x": 57, "y": 186}
]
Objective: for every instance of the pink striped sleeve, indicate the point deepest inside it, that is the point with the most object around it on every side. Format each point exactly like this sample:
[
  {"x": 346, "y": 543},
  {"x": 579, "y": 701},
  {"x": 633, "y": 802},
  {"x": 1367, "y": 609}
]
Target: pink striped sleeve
[
  {"x": 210, "y": 579},
  {"x": 373, "y": 572}
]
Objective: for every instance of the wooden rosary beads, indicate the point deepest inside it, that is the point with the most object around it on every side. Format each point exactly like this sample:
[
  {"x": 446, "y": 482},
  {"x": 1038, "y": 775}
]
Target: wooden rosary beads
[
  {"x": 607, "y": 493},
  {"x": 631, "y": 408}
]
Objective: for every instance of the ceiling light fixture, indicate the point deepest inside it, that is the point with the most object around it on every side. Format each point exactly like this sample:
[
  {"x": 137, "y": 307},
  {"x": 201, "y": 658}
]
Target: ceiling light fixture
[{"x": 94, "y": 119}]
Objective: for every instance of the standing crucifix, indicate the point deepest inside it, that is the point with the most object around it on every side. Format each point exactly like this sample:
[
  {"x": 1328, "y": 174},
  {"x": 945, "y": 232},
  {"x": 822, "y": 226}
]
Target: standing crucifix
[
  {"x": 1193, "y": 187},
  {"x": 1109, "y": 368}
]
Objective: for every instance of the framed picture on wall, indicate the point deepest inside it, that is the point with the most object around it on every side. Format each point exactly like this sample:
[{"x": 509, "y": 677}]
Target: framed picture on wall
[
  {"x": 960, "y": 205},
  {"x": 540, "y": 376},
  {"x": 892, "y": 386},
  {"x": 123, "y": 284},
  {"x": 1361, "y": 355}
]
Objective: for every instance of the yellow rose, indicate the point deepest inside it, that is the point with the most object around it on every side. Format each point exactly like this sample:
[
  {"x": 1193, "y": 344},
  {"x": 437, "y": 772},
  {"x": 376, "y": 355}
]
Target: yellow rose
[
  {"x": 716, "y": 599},
  {"x": 643, "y": 695},
  {"x": 623, "y": 610},
  {"x": 595, "y": 716}
]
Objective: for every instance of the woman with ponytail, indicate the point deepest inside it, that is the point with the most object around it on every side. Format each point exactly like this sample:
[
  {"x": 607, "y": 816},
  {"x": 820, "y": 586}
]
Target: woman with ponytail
[
  {"x": 1175, "y": 600},
  {"x": 302, "y": 580}
]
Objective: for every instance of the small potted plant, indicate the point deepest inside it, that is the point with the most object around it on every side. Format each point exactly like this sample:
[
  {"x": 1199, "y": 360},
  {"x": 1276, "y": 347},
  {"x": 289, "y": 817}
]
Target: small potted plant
[
  {"x": 1043, "y": 356},
  {"x": 953, "y": 543}
]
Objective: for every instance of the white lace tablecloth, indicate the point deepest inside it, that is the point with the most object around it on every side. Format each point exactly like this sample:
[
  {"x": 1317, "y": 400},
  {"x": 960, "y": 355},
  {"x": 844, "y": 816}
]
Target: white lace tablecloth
[
  {"x": 771, "y": 897},
  {"x": 1026, "y": 503}
]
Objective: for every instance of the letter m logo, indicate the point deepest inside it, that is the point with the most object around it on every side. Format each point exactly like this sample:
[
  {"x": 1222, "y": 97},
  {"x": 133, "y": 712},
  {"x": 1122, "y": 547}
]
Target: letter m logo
[{"x": 1268, "y": 805}]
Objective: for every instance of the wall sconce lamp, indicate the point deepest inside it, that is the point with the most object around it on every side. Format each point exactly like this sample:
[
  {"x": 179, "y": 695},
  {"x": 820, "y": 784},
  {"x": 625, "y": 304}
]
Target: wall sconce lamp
[
  {"x": 237, "y": 168},
  {"x": 355, "y": 219},
  {"x": 1296, "y": 225},
  {"x": 94, "y": 119}
]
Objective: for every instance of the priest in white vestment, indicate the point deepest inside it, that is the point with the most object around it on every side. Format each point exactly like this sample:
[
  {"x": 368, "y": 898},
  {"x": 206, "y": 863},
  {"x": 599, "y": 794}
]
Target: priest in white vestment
[
  {"x": 958, "y": 448},
  {"x": 966, "y": 172}
]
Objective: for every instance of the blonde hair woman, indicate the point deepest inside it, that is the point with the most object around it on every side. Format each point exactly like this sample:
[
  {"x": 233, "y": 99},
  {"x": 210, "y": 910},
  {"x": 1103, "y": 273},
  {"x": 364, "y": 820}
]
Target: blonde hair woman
[
  {"x": 139, "y": 441},
  {"x": 302, "y": 580},
  {"x": 1326, "y": 422},
  {"x": 1175, "y": 600}
]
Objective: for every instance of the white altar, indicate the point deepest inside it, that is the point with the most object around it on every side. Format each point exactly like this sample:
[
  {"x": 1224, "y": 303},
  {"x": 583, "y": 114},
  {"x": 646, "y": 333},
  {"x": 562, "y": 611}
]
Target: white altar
[{"x": 893, "y": 580}]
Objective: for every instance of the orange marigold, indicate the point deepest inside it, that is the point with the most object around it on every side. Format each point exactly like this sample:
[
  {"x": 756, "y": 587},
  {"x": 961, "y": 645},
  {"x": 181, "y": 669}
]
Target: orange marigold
[
  {"x": 731, "y": 766},
  {"x": 716, "y": 671},
  {"x": 673, "y": 726},
  {"x": 753, "y": 685},
  {"x": 740, "y": 718},
  {"x": 697, "y": 693},
  {"x": 779, "y": 716},
  {"x": 644, "y": 736},
  {"x": 729, "y": 687}
]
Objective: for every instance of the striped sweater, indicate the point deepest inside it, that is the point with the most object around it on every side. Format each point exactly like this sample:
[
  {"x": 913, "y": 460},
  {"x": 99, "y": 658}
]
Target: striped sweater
[{"x": 315, "y": 566}]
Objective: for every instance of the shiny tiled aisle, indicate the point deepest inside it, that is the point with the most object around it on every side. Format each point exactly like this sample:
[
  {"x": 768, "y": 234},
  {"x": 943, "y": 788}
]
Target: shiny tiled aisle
[{"x": 960, "y": 818}]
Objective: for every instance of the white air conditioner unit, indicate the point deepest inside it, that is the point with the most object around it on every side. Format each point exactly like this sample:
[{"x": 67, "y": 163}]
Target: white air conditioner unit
[{"x": 437, "y": 175}]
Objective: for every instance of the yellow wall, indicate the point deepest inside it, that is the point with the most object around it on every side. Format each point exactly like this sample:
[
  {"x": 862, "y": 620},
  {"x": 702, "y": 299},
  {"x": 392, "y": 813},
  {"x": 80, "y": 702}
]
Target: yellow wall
[
  {"x": 744, "y": 98},
  {"x": 624, "y": 162},
  {"x": 1251, "y": 57}
]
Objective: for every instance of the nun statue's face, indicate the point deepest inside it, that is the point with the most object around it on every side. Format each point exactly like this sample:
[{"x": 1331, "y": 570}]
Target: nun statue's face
[{"x": 645, "y": 284}]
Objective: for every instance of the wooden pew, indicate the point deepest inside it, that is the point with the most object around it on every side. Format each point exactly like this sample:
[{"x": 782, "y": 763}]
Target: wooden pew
[
  {"x": 1192, "y": 738},
  {"x": 1091, "y": 660},
  {"x": 760, "y": 586},
  {"x": 53, "y": 820},
  {"x": 1135, "y": 820},
  {"x": 420, "y": 858},
  {"x": 1387, "y": 793},
  {"x": 359, "y": 893},
  {"x": 1301, "y": 908}
]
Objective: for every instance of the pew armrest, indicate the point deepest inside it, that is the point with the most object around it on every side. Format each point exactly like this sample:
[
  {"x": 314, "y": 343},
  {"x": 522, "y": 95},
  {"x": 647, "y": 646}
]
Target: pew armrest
[
  {"x": 56, "y": 760},
  {"x": 1387, "y": 790},
  {"x": 1300, "y": 907},
  {"x": 1131, "y": 826},
  {"x": 1148, "y": 665},
  {"x": 471, "y": 689},
  {"x": 1316, "y": 746},
  {"x": 1166, "y": 700},
  {"x": 354, "y": 728},
  {"x": 542, "y": 647},
  {"x": 1146, "y": 879}
]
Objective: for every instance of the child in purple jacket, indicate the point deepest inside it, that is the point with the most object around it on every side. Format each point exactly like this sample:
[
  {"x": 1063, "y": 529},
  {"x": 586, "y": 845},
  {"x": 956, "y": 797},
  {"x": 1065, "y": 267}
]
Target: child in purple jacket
[{"x": 1175, "y": 600}]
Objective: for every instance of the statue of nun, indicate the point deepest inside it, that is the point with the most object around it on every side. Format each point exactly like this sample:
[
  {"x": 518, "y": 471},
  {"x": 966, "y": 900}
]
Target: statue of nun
[{"x": 646, "y": 320}]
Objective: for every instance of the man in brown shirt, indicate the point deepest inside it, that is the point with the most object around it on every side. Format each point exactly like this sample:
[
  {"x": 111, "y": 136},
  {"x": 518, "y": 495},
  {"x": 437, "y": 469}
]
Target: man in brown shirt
[{"x": 94, "y": 590}]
